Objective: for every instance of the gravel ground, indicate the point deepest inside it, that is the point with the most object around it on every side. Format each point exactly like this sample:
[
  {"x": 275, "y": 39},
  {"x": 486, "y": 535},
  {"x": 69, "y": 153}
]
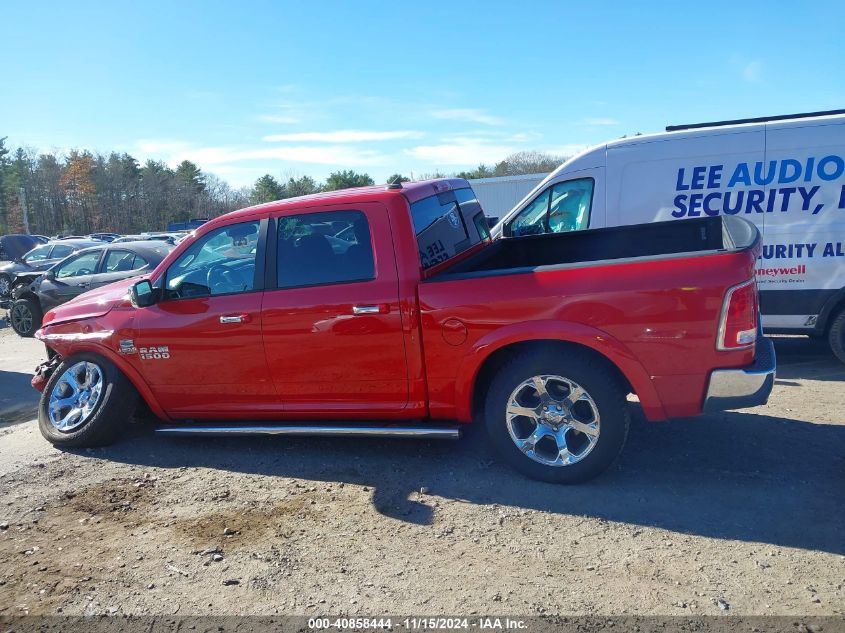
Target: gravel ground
[{"x": 738, "y": 512}]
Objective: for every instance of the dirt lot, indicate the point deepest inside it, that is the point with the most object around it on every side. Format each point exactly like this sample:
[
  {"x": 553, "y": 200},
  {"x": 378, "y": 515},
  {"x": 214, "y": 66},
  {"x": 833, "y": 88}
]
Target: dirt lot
[{"x": 740, "y": 512}]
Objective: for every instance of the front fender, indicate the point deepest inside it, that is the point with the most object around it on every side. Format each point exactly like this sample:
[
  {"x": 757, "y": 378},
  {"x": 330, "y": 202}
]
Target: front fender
[
  {"x": 67, "y": 344},
  {"x": 552, "y": 330}
]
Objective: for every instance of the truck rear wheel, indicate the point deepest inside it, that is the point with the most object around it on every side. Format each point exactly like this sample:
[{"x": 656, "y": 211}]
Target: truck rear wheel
[
  {"x": 836, "y": 336},
  {"x": 86, "y": 401},
  {"x": 557, "y": 417}
]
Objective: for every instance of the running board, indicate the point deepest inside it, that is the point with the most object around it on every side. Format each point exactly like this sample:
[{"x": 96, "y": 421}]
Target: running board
[{"x": 418, "y": 432}]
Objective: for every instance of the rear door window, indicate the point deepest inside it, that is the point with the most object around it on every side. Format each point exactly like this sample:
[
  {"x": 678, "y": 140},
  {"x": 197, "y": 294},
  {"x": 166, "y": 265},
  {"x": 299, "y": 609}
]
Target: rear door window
[
  {"x": 60, "y": 251},
  {"x": 121, "y": 261},
  {"x": 324, "y": 248}
]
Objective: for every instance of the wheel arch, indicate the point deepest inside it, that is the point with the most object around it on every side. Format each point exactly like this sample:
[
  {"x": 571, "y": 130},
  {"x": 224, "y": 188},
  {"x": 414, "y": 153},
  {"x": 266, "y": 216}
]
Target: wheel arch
[
  {"x": 28, "y": 294},
  {"x": 124, "y": 367},
  {"x": 492, "y": 350},
  {"x": 830, "y": 310}
]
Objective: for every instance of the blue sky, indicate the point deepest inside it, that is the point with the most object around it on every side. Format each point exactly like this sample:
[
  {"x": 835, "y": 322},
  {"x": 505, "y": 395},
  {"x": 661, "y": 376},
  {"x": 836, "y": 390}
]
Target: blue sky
[{"x": 247, "y": 88}]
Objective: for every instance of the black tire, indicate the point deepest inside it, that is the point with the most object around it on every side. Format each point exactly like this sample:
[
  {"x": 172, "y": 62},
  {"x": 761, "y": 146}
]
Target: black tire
[
  {"x": 25, "y": 317},
  {"x": 836, "y": 335},
  {"x": 5, "y": 285},
  {"x": 111, "y": 414},
  {"x": 593, "y": 376}
]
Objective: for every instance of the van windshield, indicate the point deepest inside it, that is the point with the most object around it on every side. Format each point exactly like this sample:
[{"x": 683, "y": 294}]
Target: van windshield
[{"x": 447, "y": 224}]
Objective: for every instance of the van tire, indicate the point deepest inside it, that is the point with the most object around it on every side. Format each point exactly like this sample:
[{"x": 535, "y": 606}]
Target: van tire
[
  {"x": 112, "y": 411},
  {"x": 836, "y": 335},
  {"x": 25, "y": 317},
  {"x": 601, "y": 385}
]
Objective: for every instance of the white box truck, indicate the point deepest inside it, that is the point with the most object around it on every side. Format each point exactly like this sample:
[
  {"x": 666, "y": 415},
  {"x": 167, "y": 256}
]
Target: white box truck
[{"x": 786, "y": 174}]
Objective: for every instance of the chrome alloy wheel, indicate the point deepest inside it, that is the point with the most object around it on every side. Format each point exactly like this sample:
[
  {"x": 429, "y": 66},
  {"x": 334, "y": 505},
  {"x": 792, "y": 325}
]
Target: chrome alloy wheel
[
  {"x": 21, "y": 317},
  {"x": 553, "y": 420},
  {"x": 75, "y": 396},
  {"x": 5, "y": 286}
]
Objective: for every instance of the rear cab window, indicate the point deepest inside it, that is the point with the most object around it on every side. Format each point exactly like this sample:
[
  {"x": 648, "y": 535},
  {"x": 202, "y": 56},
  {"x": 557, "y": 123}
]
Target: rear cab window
[{"x": 448, "y": 224}]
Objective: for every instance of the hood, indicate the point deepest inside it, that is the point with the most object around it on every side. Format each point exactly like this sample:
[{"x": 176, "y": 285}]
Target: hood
[{"x": 93, "y": 303}]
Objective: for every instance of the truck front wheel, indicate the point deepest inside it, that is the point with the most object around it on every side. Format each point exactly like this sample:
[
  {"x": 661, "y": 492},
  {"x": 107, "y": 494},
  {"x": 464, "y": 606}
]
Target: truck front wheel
[
  {"x": 86, "y": 401},
  {"x": 836, "y": 336},
  {"x": 557, "y": 417}
]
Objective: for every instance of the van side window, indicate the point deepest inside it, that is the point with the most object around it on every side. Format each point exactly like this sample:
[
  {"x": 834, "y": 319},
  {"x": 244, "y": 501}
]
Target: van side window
[
  {"x": 324, "y": 248},
  {"x": 561, "y": 208}
]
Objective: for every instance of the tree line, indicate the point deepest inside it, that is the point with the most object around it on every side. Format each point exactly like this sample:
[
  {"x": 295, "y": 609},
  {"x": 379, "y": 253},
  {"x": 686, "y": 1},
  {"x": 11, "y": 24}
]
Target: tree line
[{"x": 85, "y": 192}]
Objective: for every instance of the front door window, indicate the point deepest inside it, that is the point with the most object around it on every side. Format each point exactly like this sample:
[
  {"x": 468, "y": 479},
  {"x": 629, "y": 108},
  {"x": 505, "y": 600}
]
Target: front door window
[
  {"x": 219, "y": 263},
  {"x": 561, "y": 208},
  {"x": 85, "y": 264}
]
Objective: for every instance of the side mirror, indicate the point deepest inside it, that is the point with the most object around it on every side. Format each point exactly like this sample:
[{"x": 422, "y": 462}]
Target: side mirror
[
  {"x": 50, "y": 274},
  {"x": 142, "y": 294}
]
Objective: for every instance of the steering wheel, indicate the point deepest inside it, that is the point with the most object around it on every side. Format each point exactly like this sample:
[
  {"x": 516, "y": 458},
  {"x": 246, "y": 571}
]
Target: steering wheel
[{"x": 217, "y": 277}]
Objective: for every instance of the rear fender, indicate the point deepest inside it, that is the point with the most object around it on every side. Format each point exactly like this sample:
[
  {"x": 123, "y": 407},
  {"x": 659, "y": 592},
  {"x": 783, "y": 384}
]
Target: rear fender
[
  {"x": 69, "y": 344},
  {"x": 563, "y": 331}
]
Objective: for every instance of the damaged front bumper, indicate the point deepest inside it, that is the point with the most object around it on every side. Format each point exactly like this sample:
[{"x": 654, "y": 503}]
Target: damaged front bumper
[
  {"x": 744, "y": 387},
  {"x": 44, "y": 371}
]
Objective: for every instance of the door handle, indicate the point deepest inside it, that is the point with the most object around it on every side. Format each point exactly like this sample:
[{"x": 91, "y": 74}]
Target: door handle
[
  {"x": 235, "y": 318},
  {"x": 381, "y": 308},
  {"x": 83, "y": 284}
]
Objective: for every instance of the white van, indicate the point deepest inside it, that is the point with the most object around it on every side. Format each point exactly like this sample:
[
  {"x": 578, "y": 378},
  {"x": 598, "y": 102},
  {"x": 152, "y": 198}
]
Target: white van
[{"x": 786, "y": 174}]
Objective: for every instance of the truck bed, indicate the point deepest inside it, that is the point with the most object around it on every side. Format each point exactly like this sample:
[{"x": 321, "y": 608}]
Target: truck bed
[{"x": 657, "y": 240}]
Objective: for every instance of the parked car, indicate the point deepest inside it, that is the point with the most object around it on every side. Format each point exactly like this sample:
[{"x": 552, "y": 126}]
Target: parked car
[
  {"x": 786, "y": 174},
  {"x": 86, "y": 270},
  {"x": 105, "y": 237},
  {"x": 157, "y": 237},
  {"x": 33, "y": 263},
  {"x": 421, "y": 322},
  {"x": 15, "y": 246}
]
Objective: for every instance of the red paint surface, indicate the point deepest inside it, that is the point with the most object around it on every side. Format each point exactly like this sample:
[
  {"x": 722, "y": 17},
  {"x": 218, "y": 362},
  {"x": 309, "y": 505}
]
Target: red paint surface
[{"x": 302, "y": 354}]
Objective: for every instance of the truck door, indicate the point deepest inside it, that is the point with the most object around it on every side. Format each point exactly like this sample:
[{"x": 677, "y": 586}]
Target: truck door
[
  {"x": 199, "y": 348},
  {"x": 332, "y": 325}
]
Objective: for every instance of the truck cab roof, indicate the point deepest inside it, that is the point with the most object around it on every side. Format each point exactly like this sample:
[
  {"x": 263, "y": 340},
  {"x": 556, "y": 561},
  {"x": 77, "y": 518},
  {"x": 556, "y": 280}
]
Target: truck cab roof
[{"x": 412, "y": 191}]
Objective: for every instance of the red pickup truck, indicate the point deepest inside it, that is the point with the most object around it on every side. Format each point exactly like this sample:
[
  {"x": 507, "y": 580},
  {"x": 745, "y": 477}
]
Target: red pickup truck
[{"x": 389, "y": 311}]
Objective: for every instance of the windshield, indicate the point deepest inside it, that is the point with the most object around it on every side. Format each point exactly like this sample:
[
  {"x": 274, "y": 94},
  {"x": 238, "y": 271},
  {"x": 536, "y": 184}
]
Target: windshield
[{"x": 447, "y": 224}]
